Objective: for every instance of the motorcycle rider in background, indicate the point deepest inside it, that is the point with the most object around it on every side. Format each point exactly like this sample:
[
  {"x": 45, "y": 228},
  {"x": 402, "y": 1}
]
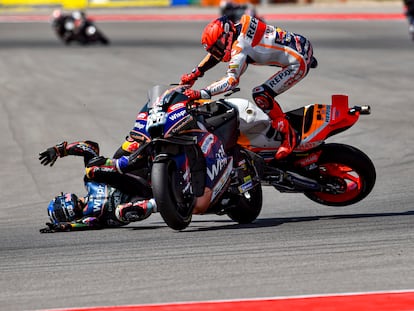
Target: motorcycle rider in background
[
  {"x": 234, "y": 11},
  {"x": 409, "y": 12},
  {"x": 253, "y": 42},
  {"x": 76, "y": 26},
  {"x": 64, "y": 25},
  {"x": 104, "y": 205}
]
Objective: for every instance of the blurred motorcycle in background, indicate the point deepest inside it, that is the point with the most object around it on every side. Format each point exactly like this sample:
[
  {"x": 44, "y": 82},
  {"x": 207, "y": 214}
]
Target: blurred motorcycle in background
[
  {"x": 234, "y": 11},
  {"x": 409, "y": 13},
  {"x": 76, "y": 27}
]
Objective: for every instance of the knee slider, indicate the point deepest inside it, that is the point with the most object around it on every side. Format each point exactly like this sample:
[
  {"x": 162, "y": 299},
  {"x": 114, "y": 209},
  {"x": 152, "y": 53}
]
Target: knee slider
[{"x": 264, "y": 97}]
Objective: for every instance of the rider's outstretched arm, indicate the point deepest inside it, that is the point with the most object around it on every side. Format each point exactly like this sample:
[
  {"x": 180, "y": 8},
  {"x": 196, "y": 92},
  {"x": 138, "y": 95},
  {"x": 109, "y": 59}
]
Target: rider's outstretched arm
[
  {"x": 207, "y": 63},
  {"x": 82, "y": 224},
  {"x": 88, "y": 149}
]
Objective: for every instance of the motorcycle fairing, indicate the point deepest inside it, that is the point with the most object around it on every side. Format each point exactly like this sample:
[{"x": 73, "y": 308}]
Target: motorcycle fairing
[
  {"x": 254, "y": 125},
  {"x": 139, "y": 133},
  {"x": 321, "y": 121},
  {"x": 177, "y": 119},
  {"x": 313, "y": 123},
  {"x": 167, "y": 111},
  {"x": 222, "y": 119}
]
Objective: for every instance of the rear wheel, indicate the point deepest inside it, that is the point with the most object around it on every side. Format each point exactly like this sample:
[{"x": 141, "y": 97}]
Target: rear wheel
[
  {"x": 248, "y": 205},
  {"x": 351, "y": 173},
  {"x": 248, "y": 208},
  {"x": 173, "y": 203}
]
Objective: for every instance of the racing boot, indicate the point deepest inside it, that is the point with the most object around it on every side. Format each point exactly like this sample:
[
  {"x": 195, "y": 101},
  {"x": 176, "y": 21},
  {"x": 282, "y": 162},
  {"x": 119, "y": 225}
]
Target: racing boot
[
  {"x": 264, "y": 97},
  {"x": 281, "y": 124},
  {"x": 135, "y": 211}
]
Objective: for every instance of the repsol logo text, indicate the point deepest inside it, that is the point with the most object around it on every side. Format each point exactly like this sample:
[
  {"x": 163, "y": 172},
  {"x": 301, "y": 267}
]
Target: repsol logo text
[
  {"x": 279, "y": 77},
  {"x": 252, "y": 28}
]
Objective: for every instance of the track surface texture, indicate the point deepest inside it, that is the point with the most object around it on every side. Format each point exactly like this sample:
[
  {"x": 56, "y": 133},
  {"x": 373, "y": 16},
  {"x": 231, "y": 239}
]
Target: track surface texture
[{"x": 51, "y": 92}]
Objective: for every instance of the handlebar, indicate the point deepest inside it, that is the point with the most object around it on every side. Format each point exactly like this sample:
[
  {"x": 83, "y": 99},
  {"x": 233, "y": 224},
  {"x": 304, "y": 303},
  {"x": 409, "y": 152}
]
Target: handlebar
[{"x": 361, "y": 109}]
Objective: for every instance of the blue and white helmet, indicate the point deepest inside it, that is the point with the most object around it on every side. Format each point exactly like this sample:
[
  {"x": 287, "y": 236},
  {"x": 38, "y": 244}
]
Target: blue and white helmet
[{"x": 63, "y": 208}]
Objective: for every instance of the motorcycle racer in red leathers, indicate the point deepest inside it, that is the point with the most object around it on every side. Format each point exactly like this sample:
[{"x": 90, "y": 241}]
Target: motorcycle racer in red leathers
[{"x": 253, "y": 42}]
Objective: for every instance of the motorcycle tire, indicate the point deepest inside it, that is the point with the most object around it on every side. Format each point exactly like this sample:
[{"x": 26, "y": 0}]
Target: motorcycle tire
[
  {"x": 103, "y": 39},
  {"x": 349, "y": 169},
  {"x": 174, "y": 207},
  {"x": 248, "y": 208}
]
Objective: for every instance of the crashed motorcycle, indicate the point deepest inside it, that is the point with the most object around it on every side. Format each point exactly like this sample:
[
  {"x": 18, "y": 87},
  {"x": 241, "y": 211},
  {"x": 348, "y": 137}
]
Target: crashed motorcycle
[
  {"x": 76, "y": 27},
  {"x": 330, "y": 174},
  {"x": 176, "y": 138}
]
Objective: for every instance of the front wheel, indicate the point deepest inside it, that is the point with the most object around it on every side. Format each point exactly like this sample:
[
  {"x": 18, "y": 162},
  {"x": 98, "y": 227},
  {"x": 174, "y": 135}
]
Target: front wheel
[
  {"x": 168, "y": 187},
  {"x": 347, "y": 171},
  {"x": 103, "y": 39}
]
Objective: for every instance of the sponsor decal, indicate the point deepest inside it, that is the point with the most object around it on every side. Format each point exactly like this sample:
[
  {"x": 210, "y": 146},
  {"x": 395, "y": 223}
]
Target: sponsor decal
[
  {"x": 219, "y": 88},
  {"x": 246, "y": 186},
  {"x": 221, "y": 162},
  {"x": 252, "y": 28},
  {"x": 335, "y": 114},
  {"x": 207, "y": 143},
  {"x": 132, "y": 146},
  {"x": 298, "y": 44},
  {"x": 222, "y": 181},
  {"x": 139, "y": 125},
  {"x": 279, "y": 77},
  {"x": 308, "y": 145},
  {"x": 98, "y": 198},
  {"x": 312, "y": 158},
  {"x": 177, "y": 115},
  {"x": 142, "y": 116},
  {"x": 281, "y": 34},
  {"x": 175, "y": 107},
  {"x": 258, "y": 89},
  {"x": 269, "y": 31},
  {"x": 84, "y": 147}
]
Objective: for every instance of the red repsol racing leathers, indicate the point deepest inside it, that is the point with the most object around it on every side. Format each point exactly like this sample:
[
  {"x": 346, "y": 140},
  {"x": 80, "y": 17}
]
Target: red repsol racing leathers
[{"x": 260, "y": 44}]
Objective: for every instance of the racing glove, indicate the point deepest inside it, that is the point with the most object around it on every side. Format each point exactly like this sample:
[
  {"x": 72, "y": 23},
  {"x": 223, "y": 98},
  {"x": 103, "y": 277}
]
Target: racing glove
[
  {"x": 50, "y": 155},
  {"x": 190, "y": 78},
  {"x": 195, "y": 94}
]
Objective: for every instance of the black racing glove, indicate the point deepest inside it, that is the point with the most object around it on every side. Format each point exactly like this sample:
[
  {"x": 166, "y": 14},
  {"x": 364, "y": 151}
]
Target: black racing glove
[
  {"x": 50, "y": 155},
  {"x": 51, "y": 228}
]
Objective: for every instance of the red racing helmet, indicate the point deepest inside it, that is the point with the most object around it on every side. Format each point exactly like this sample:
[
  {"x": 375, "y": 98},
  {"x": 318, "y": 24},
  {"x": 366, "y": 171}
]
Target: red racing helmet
[{"x": 217, "y": 38}]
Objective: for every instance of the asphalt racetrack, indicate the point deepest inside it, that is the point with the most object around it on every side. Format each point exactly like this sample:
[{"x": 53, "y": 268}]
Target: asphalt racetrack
[{"x": 51, "y": 92}]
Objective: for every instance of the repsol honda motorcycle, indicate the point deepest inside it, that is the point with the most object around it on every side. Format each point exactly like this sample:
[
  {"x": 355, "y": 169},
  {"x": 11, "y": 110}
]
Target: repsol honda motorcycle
[
  {"x": 331, "y": 174},
  {"x": 177, "y": 138}
]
